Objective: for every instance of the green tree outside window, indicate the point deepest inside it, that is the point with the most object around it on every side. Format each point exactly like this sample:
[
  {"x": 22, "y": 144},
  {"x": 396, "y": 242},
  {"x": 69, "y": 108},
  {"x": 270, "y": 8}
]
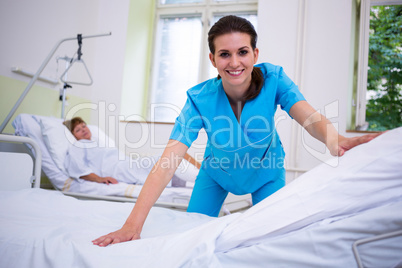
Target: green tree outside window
[{"x": 384, "y": 83}]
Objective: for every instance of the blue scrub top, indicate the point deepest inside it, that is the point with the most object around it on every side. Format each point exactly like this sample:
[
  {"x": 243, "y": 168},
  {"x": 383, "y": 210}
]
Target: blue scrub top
[{"x": 243, "y": 155}]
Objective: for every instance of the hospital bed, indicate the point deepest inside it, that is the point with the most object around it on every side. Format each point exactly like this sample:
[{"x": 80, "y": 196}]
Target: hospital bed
[
  {"x": 54, "y": 138},
  {"x": 344, "y": 216}
]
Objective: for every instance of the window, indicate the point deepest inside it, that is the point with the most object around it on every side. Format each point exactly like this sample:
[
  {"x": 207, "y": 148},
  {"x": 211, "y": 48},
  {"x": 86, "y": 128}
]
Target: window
[
  {"x": 180, "y": 51},
  {"x": 378, "y": 94}
]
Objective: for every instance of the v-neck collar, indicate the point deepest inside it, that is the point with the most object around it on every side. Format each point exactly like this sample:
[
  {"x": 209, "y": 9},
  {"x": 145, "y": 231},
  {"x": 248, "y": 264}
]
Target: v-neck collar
[{"x": 231, "y": 113}]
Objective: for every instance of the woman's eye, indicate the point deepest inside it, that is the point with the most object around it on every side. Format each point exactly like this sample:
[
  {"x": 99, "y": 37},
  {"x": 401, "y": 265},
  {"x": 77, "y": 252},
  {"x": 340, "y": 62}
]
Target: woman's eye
[
  {"x": 224, "y": 55},
  {"x": 243, "y": 52}
]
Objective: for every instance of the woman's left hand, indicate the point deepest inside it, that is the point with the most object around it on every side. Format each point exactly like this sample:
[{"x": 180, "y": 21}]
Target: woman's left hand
[{"x": 345, "y": 144}]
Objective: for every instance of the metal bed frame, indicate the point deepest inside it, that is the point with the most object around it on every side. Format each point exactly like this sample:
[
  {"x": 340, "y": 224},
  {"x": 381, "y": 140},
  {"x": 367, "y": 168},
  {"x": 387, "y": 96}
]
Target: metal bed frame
[
  {"x": 370, "y": 240},
  {"x": 18, "y": 144}
]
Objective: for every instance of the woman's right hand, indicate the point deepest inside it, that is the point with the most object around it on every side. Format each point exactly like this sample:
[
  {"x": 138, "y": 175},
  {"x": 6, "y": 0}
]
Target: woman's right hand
[
  {"x": 119, "y": 236},
  {"x": 156, "y": 181}
]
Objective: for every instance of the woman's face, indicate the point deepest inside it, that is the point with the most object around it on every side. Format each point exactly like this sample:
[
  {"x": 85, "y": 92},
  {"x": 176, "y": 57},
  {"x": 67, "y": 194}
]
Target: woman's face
[
  {"x": 82, "y": 132},
  {"x": 234, "y": 59}
]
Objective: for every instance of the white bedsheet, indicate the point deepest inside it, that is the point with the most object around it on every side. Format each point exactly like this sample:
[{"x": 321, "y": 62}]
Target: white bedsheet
[
  {"x": 334, "y": 207},
  {"x": 327, "y": 243},
  {"x": 42, "y": 228}
]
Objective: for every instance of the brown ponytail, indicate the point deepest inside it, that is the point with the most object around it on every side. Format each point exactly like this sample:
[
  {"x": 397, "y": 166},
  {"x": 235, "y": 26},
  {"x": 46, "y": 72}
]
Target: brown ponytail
[{"x": 257, "y": 81}]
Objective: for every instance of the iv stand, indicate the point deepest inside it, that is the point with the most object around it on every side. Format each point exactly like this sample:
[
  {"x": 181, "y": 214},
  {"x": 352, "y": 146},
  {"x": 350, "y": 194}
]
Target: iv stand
[
  {"x": 65, "y": 86},
  {"x": 36, "y": 76}
]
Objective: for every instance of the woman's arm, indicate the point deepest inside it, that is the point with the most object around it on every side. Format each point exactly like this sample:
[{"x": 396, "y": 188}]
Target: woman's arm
[
  {"x": 95, "y": 178},
  {"x": 192, "y": 161},
  {"x": 322, "y": 129},
  {"x": 156, "y": 181}
]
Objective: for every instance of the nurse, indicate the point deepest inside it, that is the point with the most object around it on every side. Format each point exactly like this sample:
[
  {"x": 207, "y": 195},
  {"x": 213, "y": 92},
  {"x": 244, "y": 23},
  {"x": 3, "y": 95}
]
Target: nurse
[{"x": 244, "y": 153}]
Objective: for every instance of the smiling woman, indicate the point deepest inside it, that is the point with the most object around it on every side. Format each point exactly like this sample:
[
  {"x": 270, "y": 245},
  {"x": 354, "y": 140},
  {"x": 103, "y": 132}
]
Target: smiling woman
[{"x": 241, "y": 132}]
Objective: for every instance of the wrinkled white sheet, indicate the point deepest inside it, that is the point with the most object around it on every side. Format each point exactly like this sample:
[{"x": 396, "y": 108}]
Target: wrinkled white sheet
[
  {"x": 41, "y": 228},
  {"x": 312, "y": 222},
  {"x": 368, "y": 176},
  {"x": 327, "y": 243}
]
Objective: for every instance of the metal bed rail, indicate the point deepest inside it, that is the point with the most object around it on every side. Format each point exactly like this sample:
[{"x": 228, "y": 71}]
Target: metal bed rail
[
  {"x": 83, "y": 196},
  {"x": 369, "y": 240},
  {"x": 35, "y": 179}
]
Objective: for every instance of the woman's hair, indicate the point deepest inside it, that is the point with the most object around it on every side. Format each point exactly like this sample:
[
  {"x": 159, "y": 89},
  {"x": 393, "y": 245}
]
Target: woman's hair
[
  {"x": 235, "y": 24},
  {"x": 231, "y": 24},
  {"x": 71, "y": 124}
]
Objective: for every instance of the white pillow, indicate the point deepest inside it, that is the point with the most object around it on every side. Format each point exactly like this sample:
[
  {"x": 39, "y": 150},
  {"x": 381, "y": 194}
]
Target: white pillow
[
  {"x": 100, "y": 137},
  {"x": 57, "y": 138},
  {"x": 28, "y": 125}
]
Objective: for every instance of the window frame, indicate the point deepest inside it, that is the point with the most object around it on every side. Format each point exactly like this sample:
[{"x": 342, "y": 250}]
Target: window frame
[
  {"x": 206, "y": 9},
  {"x": 360, "y": 90}
]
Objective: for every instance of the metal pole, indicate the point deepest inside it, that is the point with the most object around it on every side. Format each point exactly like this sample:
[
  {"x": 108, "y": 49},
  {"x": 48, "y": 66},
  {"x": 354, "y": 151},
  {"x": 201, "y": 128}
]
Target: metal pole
[{"x": 35, "y": 77}]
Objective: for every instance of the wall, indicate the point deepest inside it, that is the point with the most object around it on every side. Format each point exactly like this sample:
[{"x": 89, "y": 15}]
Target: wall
[
  {"x": 137, "y": 59},
  {"x": 148, "y": 139},
  {"x": 311, "y": 39},
  {"x": 30, "y": 29},
  {"x": 36, "y": 101}
]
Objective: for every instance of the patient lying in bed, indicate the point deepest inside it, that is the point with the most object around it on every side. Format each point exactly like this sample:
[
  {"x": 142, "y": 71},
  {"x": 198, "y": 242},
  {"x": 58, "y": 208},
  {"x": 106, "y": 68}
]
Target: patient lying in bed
[
  {"x": 55, "y": 140},
  {"x": 85, "y": 160}
]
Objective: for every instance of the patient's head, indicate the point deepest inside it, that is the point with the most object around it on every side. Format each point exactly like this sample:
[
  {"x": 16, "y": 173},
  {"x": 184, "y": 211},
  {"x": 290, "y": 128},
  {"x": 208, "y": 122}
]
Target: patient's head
[{"x": 79, "y": 128}]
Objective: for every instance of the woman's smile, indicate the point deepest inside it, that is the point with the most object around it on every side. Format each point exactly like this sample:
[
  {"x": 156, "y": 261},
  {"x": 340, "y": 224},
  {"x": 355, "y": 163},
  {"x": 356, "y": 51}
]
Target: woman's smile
[{"x": 235, "y": 73}]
